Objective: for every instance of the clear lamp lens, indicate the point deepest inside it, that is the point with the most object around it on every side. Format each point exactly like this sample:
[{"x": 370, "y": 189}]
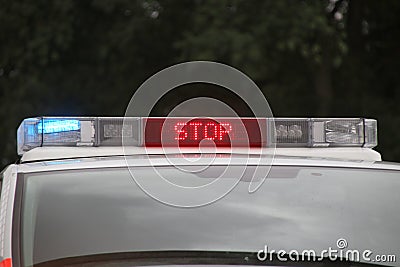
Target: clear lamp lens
[
  {"x": 371, "y": 133},
  {"x": 344, "y": 132}
]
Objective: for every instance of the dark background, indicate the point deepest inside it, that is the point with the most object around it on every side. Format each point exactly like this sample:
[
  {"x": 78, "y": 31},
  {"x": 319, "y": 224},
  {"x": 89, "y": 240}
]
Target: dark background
[{"x": 310, "y": 58}]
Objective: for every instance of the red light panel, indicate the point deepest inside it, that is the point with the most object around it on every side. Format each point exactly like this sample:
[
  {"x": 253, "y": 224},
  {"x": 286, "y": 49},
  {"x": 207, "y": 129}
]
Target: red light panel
[
  {"x": 6, "y": 263},
  {"x": 221, "y": 132}
]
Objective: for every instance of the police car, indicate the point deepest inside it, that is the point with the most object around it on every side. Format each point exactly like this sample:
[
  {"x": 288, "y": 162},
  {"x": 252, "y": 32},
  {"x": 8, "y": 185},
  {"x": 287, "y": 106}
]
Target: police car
[{"x": 87, "y": 192}]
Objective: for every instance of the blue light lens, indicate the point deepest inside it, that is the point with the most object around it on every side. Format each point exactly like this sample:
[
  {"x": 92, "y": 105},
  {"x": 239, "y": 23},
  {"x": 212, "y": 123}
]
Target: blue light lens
[{"x": 58, "y": 125}]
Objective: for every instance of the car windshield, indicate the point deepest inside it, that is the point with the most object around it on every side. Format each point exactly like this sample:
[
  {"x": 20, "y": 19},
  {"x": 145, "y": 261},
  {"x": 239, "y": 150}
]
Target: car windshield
[{"x": 73, "y": 213}]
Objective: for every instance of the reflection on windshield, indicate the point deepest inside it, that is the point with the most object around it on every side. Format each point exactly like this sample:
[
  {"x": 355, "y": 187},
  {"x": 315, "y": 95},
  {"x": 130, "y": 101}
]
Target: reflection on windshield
[
  {"x": 186, "y": 258},
  {"x": 75, "y": 213}
]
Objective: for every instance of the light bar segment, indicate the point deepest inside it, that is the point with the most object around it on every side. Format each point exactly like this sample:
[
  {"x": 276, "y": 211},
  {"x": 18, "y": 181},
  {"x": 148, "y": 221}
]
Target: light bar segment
[
  {"x": 337, "y": 132},
  {"x": 111, "y": 130},
  {"x": 28, "y": 136},
  {"x": 371, "y": 133},
  {"x": 77, "y": 131},
  {"x": 49, "y": 126},
  {"x": 195, "y": 132},
  {"x": 55, "y": 131},
  {"x": 291, "y": 132}
]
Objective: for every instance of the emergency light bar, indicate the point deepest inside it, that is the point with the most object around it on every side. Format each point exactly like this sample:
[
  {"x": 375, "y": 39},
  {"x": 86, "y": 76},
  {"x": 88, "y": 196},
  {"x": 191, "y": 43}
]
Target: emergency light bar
[{"x": 193, "y": 132}]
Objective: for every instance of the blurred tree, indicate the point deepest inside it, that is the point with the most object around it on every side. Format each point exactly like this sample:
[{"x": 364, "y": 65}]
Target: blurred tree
[
  {"x": 287, "y": 47},
  {"x": 69, "y": 57}
]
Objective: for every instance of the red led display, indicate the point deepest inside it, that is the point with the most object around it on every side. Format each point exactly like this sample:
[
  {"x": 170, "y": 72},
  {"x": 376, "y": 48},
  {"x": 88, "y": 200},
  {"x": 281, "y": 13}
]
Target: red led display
[{"x": 223, "y": 132}]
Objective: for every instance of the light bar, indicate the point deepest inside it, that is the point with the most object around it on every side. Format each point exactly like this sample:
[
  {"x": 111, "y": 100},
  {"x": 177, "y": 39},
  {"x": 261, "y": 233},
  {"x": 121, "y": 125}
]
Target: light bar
[{"x": 193, "y": 132}]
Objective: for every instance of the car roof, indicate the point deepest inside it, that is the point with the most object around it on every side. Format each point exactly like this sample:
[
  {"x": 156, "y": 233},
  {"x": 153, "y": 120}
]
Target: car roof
[
  {"x": 157, "y": 157},
  {"x": 341, "y": 153}
]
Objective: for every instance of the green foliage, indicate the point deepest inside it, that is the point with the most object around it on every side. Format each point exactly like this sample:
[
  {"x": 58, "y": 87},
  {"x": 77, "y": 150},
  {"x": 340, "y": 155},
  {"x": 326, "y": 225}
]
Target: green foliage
[{"x": 310, "y": 58}]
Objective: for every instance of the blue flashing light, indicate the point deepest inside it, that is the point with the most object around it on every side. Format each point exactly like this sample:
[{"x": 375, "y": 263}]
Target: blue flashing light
[{"x": 47, "y": 126}]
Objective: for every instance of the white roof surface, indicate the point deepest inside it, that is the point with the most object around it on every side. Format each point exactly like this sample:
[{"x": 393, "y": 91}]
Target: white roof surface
[
  {"x": 51, "y": 159},
  {"x": 342, "y": 153}
]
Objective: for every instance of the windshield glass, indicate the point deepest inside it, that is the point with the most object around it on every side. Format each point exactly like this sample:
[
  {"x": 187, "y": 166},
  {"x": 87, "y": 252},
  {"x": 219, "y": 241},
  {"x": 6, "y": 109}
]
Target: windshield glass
[{"x": 96, "y": 211}]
